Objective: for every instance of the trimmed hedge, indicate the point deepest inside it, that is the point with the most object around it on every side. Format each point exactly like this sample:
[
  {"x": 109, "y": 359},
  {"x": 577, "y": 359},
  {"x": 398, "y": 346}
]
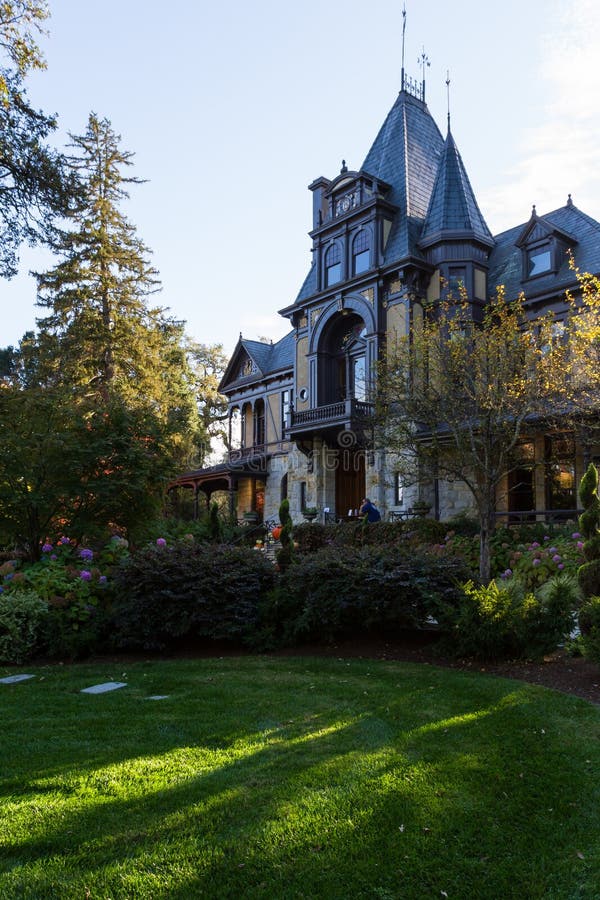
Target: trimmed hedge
[
  {"x": 165, "y": 594},
  {"x": 343, "y": 591}
]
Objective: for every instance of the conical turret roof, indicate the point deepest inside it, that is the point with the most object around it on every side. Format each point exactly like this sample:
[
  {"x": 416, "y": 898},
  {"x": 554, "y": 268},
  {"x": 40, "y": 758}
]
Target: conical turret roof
[{"x": 453, "y": 210}]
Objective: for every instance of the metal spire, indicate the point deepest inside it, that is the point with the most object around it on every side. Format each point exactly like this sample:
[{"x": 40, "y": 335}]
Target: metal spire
[
  {"x": 403, "y": 33},
  {"x": 448, "y": 92},
  {"x": 423, "y": 61}
]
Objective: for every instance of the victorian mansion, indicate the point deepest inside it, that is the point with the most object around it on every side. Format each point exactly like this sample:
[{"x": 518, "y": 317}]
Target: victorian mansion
[{"x": 387, "y": 238}]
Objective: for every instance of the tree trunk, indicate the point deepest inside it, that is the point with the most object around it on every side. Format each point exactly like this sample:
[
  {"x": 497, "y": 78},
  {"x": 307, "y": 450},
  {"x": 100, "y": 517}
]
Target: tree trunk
[{"x": 487, "y": 528}]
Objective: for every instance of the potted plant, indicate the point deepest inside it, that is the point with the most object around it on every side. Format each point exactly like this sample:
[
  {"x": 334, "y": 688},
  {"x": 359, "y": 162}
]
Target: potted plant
[
  {"x": 421, "y": 507},
  {"x": 310, "y": 513}
]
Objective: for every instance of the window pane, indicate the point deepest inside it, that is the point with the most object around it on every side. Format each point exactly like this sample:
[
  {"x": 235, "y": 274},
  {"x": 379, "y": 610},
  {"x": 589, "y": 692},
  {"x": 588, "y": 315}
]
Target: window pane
[
  {"x": 539, "y": 261},
  {"x": 333, "y": 274},
  {"x": 359, "y": 371},
  {"x": 361, "y": 262}
]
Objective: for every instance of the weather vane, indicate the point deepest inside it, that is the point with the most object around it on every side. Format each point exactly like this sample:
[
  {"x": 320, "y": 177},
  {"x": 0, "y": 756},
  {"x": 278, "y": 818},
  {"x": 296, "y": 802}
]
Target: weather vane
[
  {"x": 403, "y": 33},
  {"x": 423, "y": 61},
  {"x": 448, "y": 91}
]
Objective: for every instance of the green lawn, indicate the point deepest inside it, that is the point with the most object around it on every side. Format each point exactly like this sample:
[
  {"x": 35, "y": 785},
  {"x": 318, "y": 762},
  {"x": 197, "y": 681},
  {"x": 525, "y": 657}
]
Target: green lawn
[{"x": 279, "y": 778}]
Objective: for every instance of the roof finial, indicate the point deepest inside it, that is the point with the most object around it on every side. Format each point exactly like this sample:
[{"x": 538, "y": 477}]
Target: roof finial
[
  {"x": 448, "y": 92},
  {"x": 403, "y": 33},
  {"x": 344, "y": 167},
  {"x": 569, "y": 201},
  {"x": 533, "y": 210},
  {"x": 423, "y": 61}
]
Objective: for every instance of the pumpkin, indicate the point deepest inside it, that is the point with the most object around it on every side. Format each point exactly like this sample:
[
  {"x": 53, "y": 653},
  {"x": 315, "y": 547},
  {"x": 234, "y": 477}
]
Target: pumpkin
[{"x": 276, "y": 532}]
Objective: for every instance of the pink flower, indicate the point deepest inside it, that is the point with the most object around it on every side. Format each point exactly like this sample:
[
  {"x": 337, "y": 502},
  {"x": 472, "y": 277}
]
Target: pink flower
[
  {"x": 160, "y": 542},
  {"x": 580, "y": 545}
]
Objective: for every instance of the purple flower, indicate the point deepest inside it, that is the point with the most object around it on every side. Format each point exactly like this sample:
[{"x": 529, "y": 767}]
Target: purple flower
[
  {"x": 536, "y": 562},
  {"x": 556, "y": 558},
  {"x": 9, "y": 576},
  {"x": 85, "y": 575},
  {"x": 1, "y": 590},
  {"x": 64, "y": 540},
  {"x": 86, "y": 554},
  {"x": 506, "y": 574},
  {"x": 47, "y": 548},
  {"x": 160, "y": 542},
  {"x": 561, "y": 565},
  {"x": 54, "y": 556},
  {"x": 552, "y": 550},
  {"x": 102, "y": 579},
  {"x": 546, "y": 537},
  {"x": 534, "y": 545},
  {"x": 575, "y": 535},
  {"x": 580, "y": 545}
]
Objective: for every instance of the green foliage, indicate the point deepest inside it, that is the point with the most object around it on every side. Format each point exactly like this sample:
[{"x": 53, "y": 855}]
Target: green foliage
[
  {"x": 214, "y": 523},
  {"x": 589, "y": 624},
  {"x": 36, "y": 186},
  {"x": 168, "y": 593},
  {"x": 101, "y": 335},
  {"x": 415, "y": 532},
  {"x": 286, "y": 554},
  {"x": 589, "y": 524},
  {"x": 505, "y": 620},
  {"x": 23, "y": 615},
  {"x": 344, "y": 591},
  {"x": 74, "y": 584},
  {"x": 66, "y": 463}
]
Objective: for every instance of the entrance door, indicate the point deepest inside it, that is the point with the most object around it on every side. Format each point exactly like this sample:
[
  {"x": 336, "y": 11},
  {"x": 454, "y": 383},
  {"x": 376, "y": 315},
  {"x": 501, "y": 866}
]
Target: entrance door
[{"x": 349, "y": 481}]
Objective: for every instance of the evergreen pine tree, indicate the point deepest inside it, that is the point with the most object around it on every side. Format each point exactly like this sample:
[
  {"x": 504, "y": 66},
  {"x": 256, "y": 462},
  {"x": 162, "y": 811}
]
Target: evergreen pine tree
[{"x": 102, "y": 336}]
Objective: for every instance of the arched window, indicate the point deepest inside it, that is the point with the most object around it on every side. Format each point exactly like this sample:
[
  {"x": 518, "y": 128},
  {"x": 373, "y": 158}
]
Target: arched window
[
  {"x": 361, "y": 253},
  {"x": 333, "y": 265}
]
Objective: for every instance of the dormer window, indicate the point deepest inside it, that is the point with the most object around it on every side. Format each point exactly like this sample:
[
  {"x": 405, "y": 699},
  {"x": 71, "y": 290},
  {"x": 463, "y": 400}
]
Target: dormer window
[
  {"x": 539, "y": 261},
  {"x": 333, "y": 265},
  {"x": 361, "y": 253}
]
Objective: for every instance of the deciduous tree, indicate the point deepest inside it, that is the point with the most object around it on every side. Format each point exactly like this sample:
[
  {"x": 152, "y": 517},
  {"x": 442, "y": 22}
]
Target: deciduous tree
[{"x": 458, "y": 396}]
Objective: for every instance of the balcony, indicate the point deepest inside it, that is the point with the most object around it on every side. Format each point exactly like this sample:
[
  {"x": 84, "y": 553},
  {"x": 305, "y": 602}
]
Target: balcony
[{"x": 345, "y": 415}]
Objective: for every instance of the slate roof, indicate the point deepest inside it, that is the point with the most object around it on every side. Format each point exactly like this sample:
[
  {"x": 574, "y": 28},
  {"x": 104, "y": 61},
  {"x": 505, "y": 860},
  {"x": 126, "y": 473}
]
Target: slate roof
[
  {"x": 453, "y": 208},
  {"x": 406, "y": 153},
  {"x": 506, "y": 266}
]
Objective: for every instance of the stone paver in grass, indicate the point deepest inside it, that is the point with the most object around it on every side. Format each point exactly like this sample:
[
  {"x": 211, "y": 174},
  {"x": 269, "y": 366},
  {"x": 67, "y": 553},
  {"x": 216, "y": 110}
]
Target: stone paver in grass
[
  {"x": 158, "y": 697},
  {"x": 104, "y": 688},
  {"x": 13, "y": 679}
]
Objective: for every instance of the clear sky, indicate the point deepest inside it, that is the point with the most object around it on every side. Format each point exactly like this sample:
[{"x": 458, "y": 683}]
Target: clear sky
[{"x": 232, "y": 109}]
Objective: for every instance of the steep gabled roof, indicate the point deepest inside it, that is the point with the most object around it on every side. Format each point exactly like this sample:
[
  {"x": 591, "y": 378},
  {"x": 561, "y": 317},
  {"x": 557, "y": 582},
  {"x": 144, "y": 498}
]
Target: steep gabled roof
[
  {"x": 506, "y": 260},
  {"x": 453, "y": 209},
  {"x": 266, "y": 359},
  {"x": 406, "y": 154}
]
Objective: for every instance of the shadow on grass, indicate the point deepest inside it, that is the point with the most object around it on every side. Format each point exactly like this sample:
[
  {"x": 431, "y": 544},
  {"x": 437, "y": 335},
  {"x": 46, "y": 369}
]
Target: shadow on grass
[{"x": 385, "y": 797}]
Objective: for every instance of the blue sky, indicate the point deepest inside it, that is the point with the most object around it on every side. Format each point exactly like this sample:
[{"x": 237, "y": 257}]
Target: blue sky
[{"x": 233, "y": 109}]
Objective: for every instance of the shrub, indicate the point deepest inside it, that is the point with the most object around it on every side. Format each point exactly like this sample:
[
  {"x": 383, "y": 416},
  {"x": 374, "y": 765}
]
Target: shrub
[
  {"x": 183, "y": 591},
  {"x": 76, "y": 591},
  {"x": 589, "y": 524},
  {"x": 506, "y": 620},
  {"x": 589, "y": 624},
  {"x": 22, "y": 617},
  {"x": 341, "y": 591}
]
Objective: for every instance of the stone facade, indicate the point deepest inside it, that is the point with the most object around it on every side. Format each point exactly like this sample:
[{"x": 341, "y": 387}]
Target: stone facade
[{"x": 387, "y": 238}]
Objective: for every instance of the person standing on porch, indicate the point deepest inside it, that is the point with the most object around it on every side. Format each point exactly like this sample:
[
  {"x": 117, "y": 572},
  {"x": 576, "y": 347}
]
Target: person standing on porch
[{"x": 370, "y": 511}]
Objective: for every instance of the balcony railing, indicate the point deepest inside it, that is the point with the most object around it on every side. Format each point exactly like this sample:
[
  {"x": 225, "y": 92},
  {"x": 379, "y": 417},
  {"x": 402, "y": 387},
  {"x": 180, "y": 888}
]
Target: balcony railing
[{"x": 331, "y": 414}]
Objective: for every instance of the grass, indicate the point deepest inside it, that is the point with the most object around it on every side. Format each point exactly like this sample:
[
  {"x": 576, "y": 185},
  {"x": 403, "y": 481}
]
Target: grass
[{"x": 295, "y": 778}]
